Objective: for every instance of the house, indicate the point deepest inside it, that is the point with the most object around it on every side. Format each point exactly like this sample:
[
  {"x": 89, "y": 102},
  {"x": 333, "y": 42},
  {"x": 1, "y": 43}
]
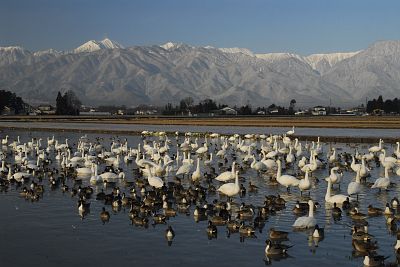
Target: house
[
  {"x": 228, "y": 111},
  {"x": 318, "y": 111},
  {"x": 45, "y": 110}
]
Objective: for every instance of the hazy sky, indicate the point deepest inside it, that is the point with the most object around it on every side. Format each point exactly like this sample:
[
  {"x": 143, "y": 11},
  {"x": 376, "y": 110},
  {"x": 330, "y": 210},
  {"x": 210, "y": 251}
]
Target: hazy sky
[{"x": 299, "y": 26}]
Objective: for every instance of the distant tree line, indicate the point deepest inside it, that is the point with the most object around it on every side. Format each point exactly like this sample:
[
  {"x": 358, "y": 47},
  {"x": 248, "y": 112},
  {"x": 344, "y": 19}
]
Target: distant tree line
[
  {"x": 388, "y": 106},
  {"x": 187, "y": 105},
  {"x": 67, "y": 104},
  {"x": 12, "y": 101}
]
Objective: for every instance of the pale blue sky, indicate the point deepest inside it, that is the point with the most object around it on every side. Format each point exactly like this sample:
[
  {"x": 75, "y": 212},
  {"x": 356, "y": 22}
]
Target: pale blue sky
[{"x": 299, "y": 26}]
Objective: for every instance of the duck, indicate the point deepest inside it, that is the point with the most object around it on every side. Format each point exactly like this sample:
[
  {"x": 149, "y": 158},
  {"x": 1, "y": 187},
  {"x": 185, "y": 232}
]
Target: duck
[
  {"x": 211, "y": 229},
  {"x": 104, "y": 215},
  {"x": 276, "y": 234},
  {"x": 306, "y": 221},
  {"x": 246, "y": 230},
  {"x": 169, "y": 233},
  {"x": 275, "y": 249},
  {"x": 318, "y": 232},
  {"x": 336, "y": 211},
  {"x": 374, "y": 260},
  {"x": 372, "y": 211}
]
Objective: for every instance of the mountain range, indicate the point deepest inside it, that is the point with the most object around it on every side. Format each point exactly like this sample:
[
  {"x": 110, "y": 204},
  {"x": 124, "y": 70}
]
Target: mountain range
[{"x": 106, "y": 73}]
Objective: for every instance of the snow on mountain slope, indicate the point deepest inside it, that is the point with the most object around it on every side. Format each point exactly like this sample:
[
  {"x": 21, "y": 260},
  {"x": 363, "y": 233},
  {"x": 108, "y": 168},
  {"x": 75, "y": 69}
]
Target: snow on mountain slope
[
  {"x": 323, "y": 62},
  {"x": 244, "y": 51},
  {"x": 93, "y": 45},
  {"x": 273, "y": 57}
]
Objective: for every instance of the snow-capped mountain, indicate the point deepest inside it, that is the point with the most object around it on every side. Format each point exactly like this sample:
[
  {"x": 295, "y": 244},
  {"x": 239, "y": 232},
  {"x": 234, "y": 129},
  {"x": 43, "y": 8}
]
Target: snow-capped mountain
[
  {"x": 93, "y": 45},
  {"x": 244, "y": 51},
  {"x": 103, "y": 72}
]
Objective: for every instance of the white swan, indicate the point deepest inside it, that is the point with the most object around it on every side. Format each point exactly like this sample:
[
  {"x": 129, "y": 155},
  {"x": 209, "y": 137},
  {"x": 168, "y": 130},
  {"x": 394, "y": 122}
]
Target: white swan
[
  {"x": 291, "y": 132},
  {"x": 95, "y": 178},
  {"x": 196, "y": 175},
  {"x": 231, "y": 189},
  {"x": 110, "y": 175},
  {"x": 157, "y": 182},
  {"x": 354, "y": 188},
  {"x": 375, "y": 149},
  {"x": 305, "y": 183},
  {"x": 338, "y": 199},
  {"x": 228, "y": 175},
  {"x": 334, "y": 177},
  {"x": 285, "y": 180},
  {"x": 306, "y": 221},
  {"x": 382, "y": 182}
]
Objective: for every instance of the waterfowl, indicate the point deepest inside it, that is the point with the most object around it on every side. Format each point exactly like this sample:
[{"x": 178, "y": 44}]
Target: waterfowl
[
  {"x": 169, "y": 233},
  {"x": 354, "y": 188},
  {"x": 230, "y": 189},
  {"x": 306, "y": 221},
  {"x": 276, "y": 234},
  {"x": 275, "y": 249},
  {"x": 336, "y": 211},
  {"x": 228, "y": 175},
  {"x": 372, "y": 211},
  {"x": 246, "y": 230},
  {"x": 318, "y": 232},
  {"x": 305, "y": 183},
  {"x": 382, "y": 182},
  {"x": 104, "y": 215},
  {"x": 338, "y": 199},
  {"x": 374, "y": 260},
  {"x": 211, "y": 229},
  {"x": 285, "y": 180}
]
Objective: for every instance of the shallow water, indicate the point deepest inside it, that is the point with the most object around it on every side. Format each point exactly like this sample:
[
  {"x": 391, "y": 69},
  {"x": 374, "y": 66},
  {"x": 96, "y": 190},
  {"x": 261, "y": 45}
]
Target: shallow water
[
  {"x": 51, "y": 232},
  {"x": 382, "y": 133}
]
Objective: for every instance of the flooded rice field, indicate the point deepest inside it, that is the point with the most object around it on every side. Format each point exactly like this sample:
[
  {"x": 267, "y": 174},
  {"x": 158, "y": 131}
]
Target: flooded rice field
[
  {"x": 301, "y": 131},
  {"x": 45, "y": 226}
]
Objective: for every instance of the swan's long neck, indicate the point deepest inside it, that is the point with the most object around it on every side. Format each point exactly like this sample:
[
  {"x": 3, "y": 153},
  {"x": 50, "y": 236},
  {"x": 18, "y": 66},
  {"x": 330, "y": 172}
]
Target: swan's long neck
[
  {"x": 233, "y": 168},
  {"x": 198, "y": 165},
  {"x": 311, "y": 211},
  {"x": 279, "y": 171},
  {"x": 358, "y": 176},
  {"x": 386, "y": 172},
  {"x": 306, "y": 176},
  {"x": 237, "y": 179},
  {"x": 328, "y": 190}
]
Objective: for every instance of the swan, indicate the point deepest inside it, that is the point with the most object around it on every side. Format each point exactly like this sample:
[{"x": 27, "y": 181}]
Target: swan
[
  {"x": 354, "y": 188},
  {"x": 332, "y": 157},
  {"x": 4, "y": 141},
  {"x": 305, "y": 183},
  {"x": 291, "y": 132},
  {"x": 382, "y": 182},
  {"x": 202, "y": 150},
  {"x": 306, "y": 221},
  {"x": 228, "y": 175},
  {"x": 334, "y": 177},
  {"x": 382, "y": 157},
  {"x": 157, "y": 182},
  {"x": 290, "y": 156},
  {"x": 375, "y": 149},
  {"x": 95, "y": 178},
  {"x": 196, "y": 175},
  {"x": 209, "y": 161},
  {"x": 338, "y": 199},
  {"x": 84, "y": 171},
  {"x": 3, "y": 167},
  {"x": 257, "y": 165},
  {"x": 184, "y": 169},
  {"x": 110, "y": 175},
  {"x": 230, "y": 189},
  {"x": 285, "y": 180}
]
